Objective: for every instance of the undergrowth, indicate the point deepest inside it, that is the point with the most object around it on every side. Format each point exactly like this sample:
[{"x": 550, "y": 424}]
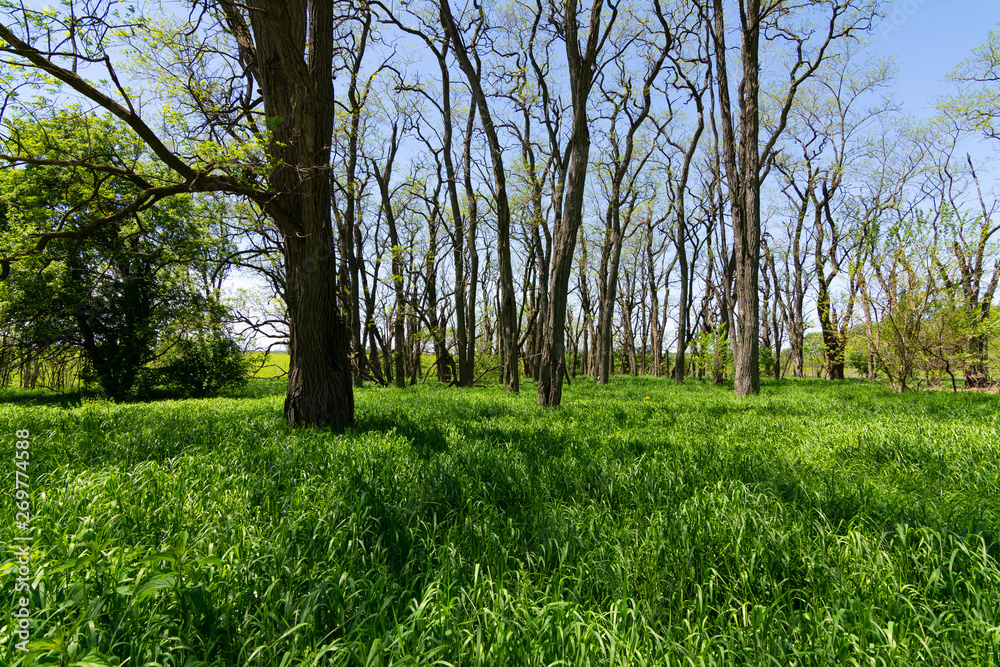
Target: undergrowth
[{"x": 641, "y": 523}]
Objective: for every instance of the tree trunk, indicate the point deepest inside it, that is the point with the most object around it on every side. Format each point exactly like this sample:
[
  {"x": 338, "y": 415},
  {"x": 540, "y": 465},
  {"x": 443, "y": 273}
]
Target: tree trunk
[
  {"x": 976, "y": 374},
  {"x": 465, "y": 370},
  {"x": 382, "y": 176},
  {"x": 319, "y": 372},
  {"x": 581, "y": 66},
  {"x": 472, "y": 274},
  {"x": 294, "y": 54},
  {"x": 744, "y": 191},
  {"x": 608, "y": 289},
  {"x": 550, "y": 375},
  {"x": 508, "y": 309}
]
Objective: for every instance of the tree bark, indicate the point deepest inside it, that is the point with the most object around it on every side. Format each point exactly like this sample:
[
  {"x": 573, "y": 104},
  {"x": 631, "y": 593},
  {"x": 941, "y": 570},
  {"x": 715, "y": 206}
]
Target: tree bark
[
  {"x": 293, "y": 43},
  {"x": 399, "y": 322},
  {"x": 508, "y": 309},
  {"x": 743, "y": 172},
  {"x": 582, "y": 66}
]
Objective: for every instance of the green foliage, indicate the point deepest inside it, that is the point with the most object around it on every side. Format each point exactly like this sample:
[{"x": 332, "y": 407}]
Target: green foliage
[
  {"x": 922, "y": 319},
  {"x": 641, "y": 523},
  {"x": 710, "y": 350},
  {"x": 976, "y": 104},
  {"x": 860, "y": 363},
  {"x": 120, "y": 292},
  {"x": 205, "y": 365},
  {"x": 765, "y": 361}
]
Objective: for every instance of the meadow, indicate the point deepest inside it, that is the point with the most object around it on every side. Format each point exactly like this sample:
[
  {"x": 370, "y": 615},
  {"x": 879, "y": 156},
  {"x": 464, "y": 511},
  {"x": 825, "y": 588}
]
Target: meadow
[{"x": 642, "y": 523}]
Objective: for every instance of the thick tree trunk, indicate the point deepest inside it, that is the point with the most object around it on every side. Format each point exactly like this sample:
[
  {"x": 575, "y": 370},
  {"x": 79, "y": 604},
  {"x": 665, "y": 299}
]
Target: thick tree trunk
[
  {"x": 834, "y": 344},
  {"x": 293, "y": 42},
  {"x": 319, "y": 376},
  {"x": 746, "y": 227},
  {"x": 976, "y": 373},
  {"x": 550, "y": 375}
]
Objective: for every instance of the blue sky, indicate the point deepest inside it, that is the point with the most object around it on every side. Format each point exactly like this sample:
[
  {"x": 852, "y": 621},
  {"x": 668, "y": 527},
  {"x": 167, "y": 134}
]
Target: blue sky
[{"x": 930, "y": 37}]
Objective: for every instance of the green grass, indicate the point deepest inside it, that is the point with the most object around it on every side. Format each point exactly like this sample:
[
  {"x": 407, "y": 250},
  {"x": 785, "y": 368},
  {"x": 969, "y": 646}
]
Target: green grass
[{"x": 641, "y": 523}]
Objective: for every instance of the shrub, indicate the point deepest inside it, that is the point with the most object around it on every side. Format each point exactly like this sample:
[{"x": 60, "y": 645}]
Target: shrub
[
  {"x": 206, "y": 365},
  {"x": 765, "y": 361},
  {"x": 860, "y": 363}
]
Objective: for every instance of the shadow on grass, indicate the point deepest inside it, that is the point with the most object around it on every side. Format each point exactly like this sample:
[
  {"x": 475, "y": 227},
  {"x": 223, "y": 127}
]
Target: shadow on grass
[
  {"x": 425, "y": 438},
  {"x": 479, "y": 423},
  {"x": 255, "y": 388},
  {"x": 40, "y": 397}
]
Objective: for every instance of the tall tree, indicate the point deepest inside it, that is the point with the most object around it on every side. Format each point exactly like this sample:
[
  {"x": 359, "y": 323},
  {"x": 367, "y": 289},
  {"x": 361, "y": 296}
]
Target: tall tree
[
  {"x": 508, "y": 309},
  {"x": 128, "y": 292},
  {"x": 583, "y": 67},
  {"x": 809, "y": 30},
  {"x": 630, "y": 108},
  {"x": 976, "y": 108},
  {"x": 277, "y": 72}
]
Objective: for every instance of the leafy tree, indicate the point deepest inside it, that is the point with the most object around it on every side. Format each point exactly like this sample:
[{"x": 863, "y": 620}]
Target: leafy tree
[
  {"x": 746, "y": 156},
  {"x": 250, "y": 113},
  {"x": 977, "y": 102},
  {"x": 975, "y": 108},
  {"x": 765, "y": 360},
  {"x": 121, "y": 290},
  {"x": 920, "y": 320},
  {"x": 860, "y": 363}
]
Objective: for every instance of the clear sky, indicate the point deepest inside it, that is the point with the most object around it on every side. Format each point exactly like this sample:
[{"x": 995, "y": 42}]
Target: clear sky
[{"x": 930, "y": 37}]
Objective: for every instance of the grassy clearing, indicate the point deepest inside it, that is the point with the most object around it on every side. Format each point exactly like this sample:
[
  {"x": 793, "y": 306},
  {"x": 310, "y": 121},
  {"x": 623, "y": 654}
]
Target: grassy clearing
[{"x": 641, "y": 523}]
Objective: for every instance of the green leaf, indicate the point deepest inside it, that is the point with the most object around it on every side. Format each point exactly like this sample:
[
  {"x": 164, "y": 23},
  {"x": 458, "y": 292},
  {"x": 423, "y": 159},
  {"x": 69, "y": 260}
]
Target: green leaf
[
  {"x": 153, "y": 585},
  {"x": 210, "y": 560},
  {"x": 163, "y": 555},
  {"x": 92, "y": 659}
]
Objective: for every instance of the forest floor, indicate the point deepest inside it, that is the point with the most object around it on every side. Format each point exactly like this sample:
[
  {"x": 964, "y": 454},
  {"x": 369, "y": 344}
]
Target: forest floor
[{"x": 640, "y": 523}]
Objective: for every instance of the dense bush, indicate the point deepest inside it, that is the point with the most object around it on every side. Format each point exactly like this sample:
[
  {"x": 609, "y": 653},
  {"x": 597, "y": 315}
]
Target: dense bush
[
  {"x": 205, "y": 365},
  {"x": 860, "y": 363},
  {"x": 765, "y": 361}
]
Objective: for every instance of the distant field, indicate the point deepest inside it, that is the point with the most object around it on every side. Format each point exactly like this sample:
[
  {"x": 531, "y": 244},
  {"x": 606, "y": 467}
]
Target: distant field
[
  {"x": 275, "y": 365},
  {"x": 642, "y": 523}
]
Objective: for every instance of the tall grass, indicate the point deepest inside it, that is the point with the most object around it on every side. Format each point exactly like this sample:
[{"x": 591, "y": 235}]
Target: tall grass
[{"x": 641, "y": 523}]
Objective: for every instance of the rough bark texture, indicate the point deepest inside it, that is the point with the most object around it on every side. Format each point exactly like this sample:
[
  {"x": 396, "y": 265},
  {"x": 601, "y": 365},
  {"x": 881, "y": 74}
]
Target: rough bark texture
[
  {"x": 286, "y": 48},
  {"x": 581, "y": 67},
  {"x": 293, "y": 53},
  {"x": 742, "y": 176}
]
